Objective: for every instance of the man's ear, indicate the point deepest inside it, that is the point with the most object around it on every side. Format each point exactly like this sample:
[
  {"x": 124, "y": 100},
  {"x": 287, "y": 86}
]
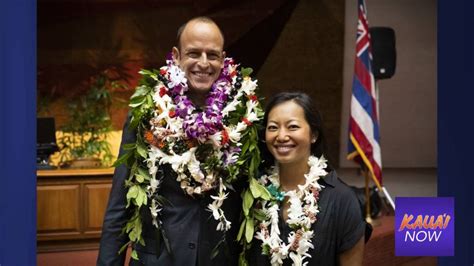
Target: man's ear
[
  {"x": 223, "y": 57},
  {"x": 175, "y": 54}
]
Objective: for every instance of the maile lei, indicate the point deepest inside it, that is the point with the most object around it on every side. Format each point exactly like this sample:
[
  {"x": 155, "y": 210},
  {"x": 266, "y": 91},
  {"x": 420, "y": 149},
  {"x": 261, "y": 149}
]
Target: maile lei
[
  {"x": 302, "y": 212},
  {"x": 207, "y": 149}
]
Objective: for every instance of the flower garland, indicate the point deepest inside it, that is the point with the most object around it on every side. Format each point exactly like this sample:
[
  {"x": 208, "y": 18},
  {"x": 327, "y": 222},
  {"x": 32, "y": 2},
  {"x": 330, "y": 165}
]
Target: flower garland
[
  {"x": 207, "y": 149},
  {"x": 302, "y": 211}
]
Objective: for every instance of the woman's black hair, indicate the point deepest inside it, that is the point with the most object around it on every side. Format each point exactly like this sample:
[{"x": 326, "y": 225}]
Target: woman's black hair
[{"x": 312, "y": 116}]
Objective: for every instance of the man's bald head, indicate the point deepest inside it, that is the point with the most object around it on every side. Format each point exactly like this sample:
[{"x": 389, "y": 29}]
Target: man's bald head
[{"x": 201, "y": 19}]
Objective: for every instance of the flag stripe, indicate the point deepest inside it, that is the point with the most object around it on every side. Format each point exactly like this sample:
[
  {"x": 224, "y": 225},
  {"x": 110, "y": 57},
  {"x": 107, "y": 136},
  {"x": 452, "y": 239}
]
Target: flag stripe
[
  {"x": 363, "y": 75},
  {"x": 365, "y": 99},
  {"x": 365, "y": 125}
]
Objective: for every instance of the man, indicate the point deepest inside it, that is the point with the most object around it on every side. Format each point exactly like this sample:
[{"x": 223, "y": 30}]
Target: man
[{"x": 190, "y": 228}]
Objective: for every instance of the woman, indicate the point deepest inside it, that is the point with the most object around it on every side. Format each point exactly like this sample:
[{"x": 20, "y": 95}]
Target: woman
[{"x": 313, "y": 216}]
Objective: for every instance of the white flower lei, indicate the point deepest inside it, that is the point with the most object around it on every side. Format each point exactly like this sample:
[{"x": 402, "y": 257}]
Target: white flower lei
[{"x": 301, "y": 215}]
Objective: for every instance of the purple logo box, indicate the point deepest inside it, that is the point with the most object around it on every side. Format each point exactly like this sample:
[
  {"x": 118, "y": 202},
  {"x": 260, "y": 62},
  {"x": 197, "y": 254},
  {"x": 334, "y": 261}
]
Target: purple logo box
[{"x": 424, "y": 226}]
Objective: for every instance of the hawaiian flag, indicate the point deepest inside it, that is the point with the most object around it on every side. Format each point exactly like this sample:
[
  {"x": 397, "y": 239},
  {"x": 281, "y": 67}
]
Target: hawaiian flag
[{"x": 364, "y": 143}]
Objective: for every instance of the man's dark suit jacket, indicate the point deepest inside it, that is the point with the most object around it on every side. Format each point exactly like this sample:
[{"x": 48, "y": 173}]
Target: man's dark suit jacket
[{"x": 190, "y": 228}]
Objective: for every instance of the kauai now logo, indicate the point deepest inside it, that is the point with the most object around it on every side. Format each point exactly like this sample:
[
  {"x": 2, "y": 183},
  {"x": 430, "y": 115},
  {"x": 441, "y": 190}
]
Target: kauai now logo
[{"x": 424, "y": 227}]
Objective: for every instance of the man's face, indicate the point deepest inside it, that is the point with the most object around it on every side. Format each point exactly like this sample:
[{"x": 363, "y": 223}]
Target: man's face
[{"x": 200, "y": 55}]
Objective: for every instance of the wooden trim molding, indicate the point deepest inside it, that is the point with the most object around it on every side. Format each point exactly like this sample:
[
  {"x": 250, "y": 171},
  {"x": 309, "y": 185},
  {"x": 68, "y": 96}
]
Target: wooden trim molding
[{"x": 75, "y": 172}]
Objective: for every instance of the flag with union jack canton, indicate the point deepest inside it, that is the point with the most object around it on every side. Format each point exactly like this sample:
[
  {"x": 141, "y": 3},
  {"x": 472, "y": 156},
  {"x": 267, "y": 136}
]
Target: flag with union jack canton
[{"x": 364, "y": 138}]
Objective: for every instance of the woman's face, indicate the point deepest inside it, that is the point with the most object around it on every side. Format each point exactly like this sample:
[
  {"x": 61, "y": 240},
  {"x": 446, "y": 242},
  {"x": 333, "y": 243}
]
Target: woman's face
[{"x": 288, "y": 135}]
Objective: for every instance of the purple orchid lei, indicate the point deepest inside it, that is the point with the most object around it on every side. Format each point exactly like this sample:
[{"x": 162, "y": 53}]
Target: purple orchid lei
[{"x": 200, "y": 125}]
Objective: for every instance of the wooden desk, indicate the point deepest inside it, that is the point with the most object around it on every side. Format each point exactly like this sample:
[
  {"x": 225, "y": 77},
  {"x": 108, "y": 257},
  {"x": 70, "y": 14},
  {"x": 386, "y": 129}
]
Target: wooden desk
[{"x": 70, "y": 207}]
